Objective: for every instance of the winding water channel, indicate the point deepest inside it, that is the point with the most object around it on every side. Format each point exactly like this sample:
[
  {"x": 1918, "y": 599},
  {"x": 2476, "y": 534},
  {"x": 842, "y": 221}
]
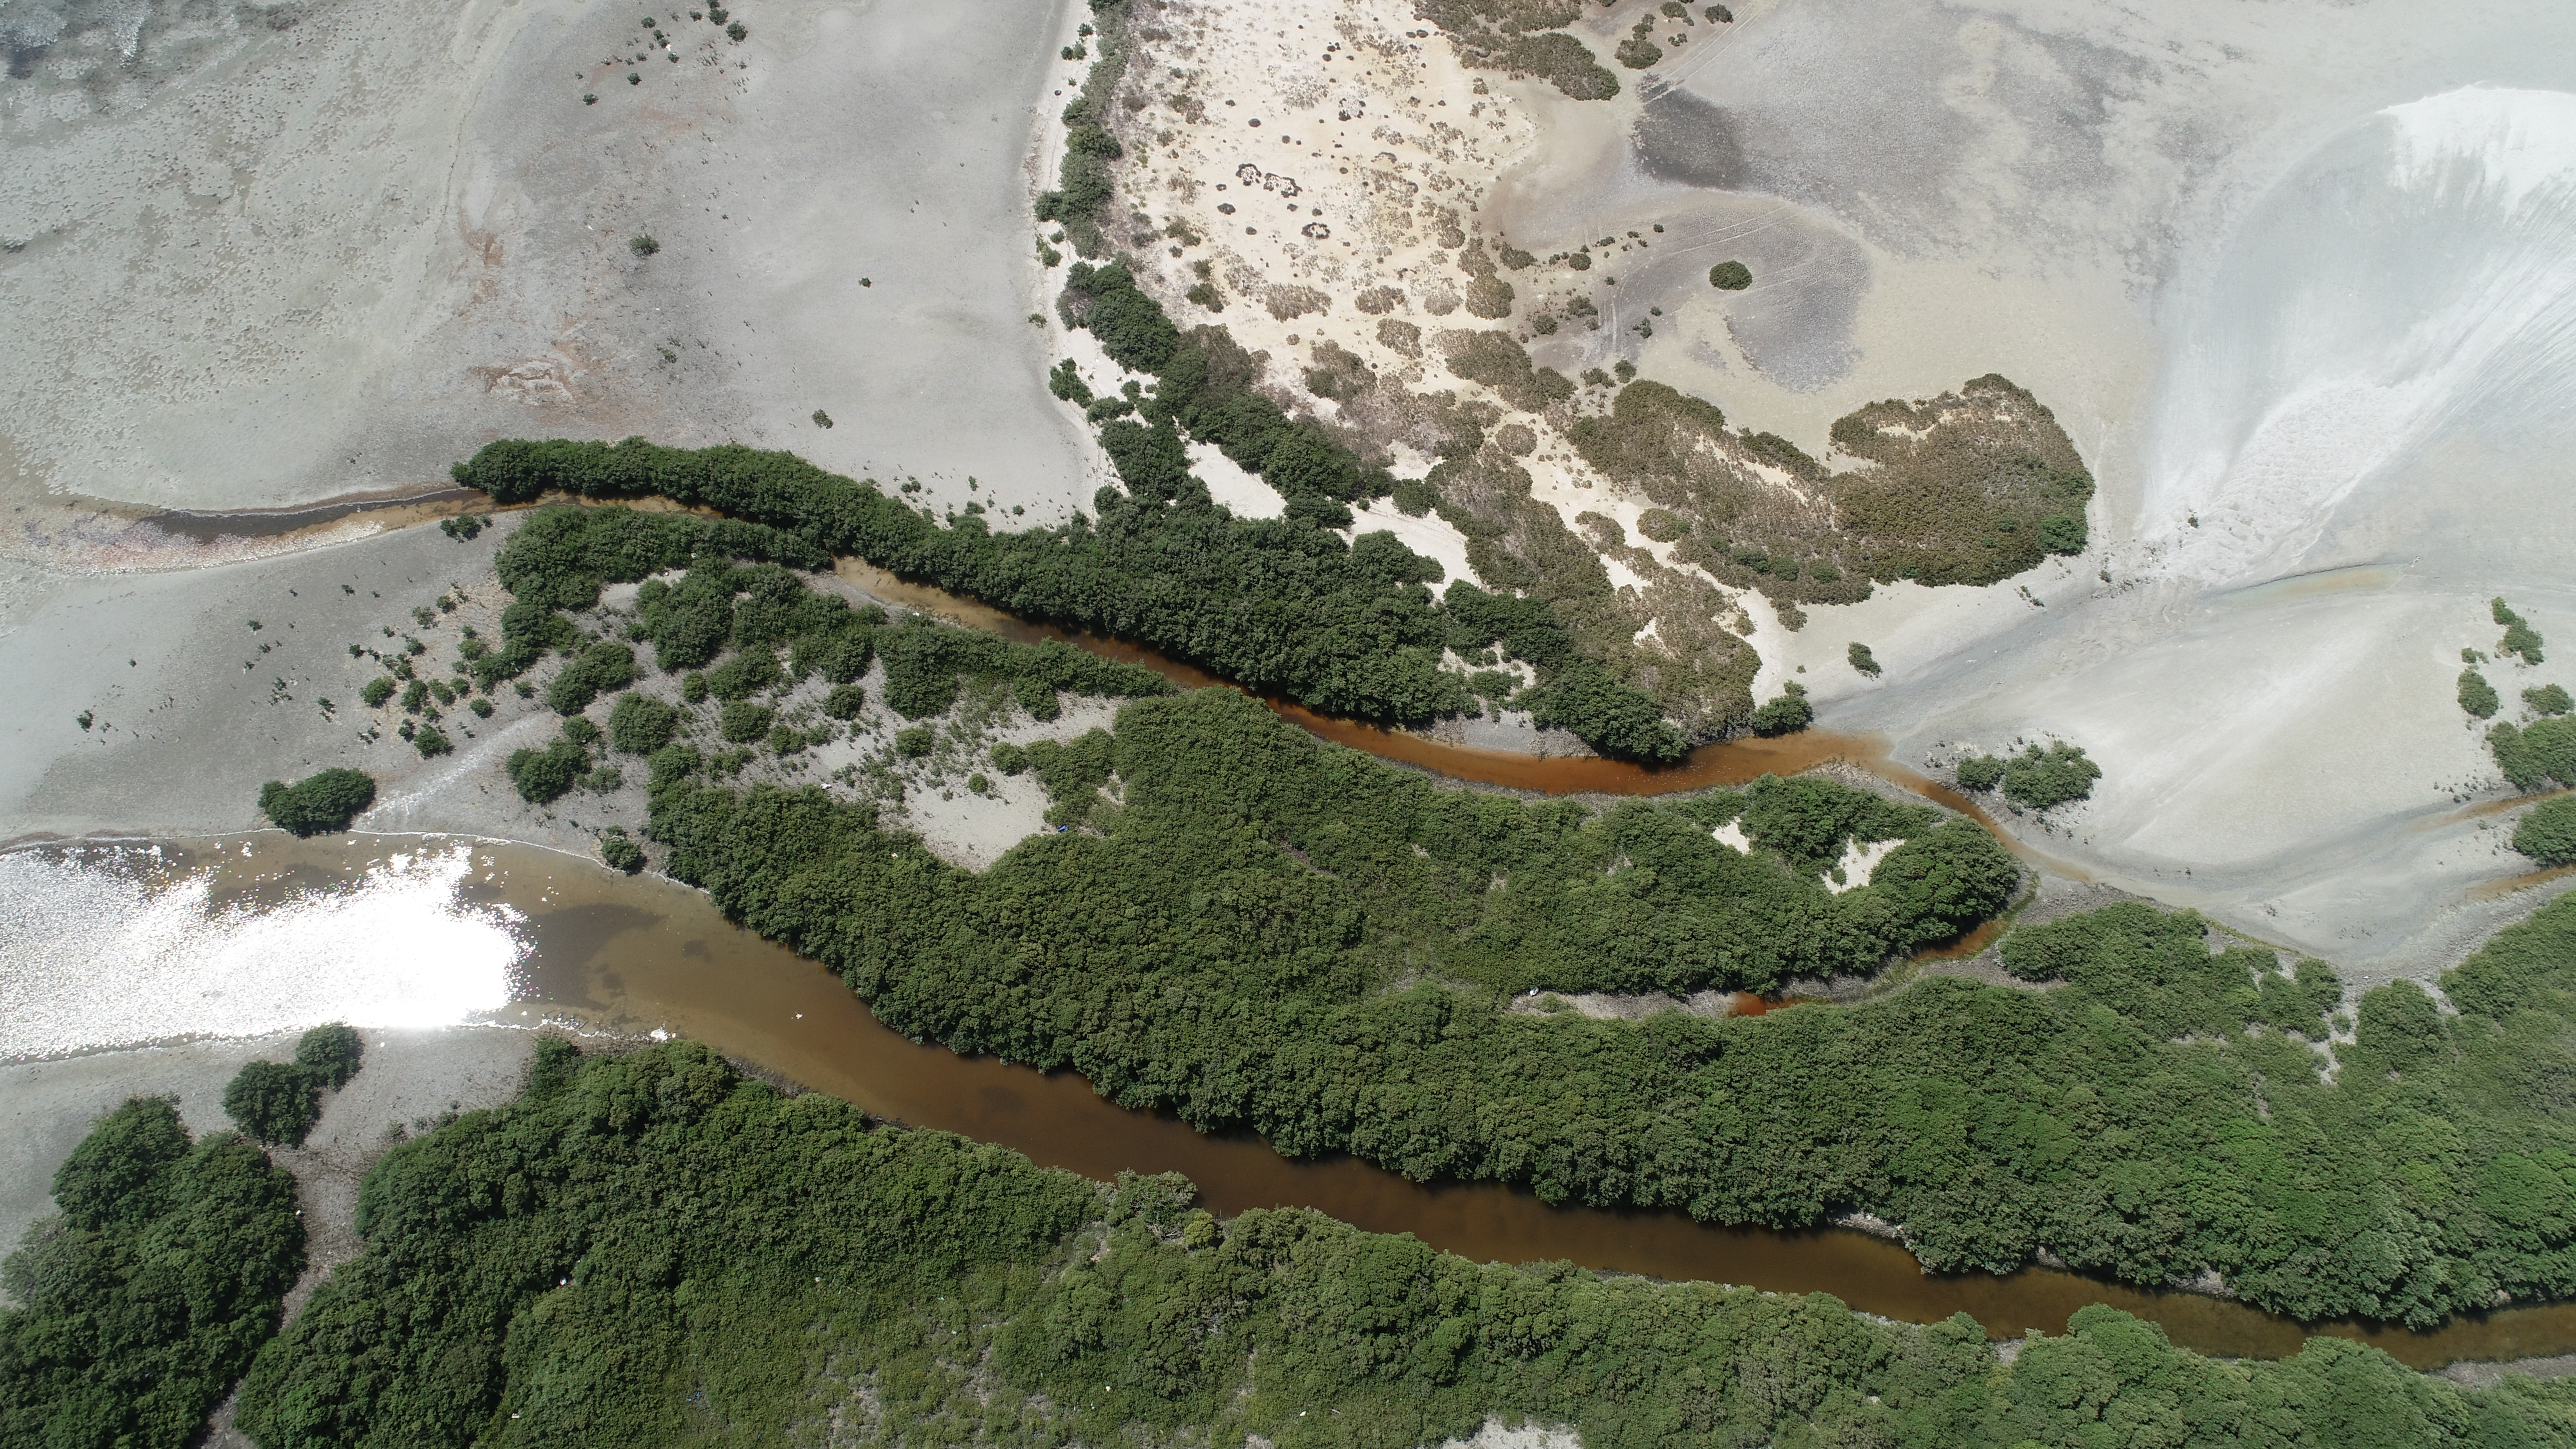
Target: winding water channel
[
  {"x": 633, "y": 956},
  {"x": 641, "y": 955}
]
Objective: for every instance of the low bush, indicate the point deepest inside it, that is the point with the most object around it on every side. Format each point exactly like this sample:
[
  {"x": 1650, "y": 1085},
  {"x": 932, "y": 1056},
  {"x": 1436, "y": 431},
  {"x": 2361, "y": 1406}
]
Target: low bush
[
  {"x": 1979, "y": 773},
  {"x": 278, "y": 1102},
  {"x": 377, "y": 690},
  {"x": 2519, "y": 637},
  {"x": 1785, "y": 713},
  {"x": 544, "y": 776},
  {"x": 140, "y": 1305},
  {"x": 641, "y": 724},
  {"x": 914, "y": 742},
  {"x": 2547, "y": 832},
  {"x": 2533, "y": 755},
  {"x": 619, "y": 851},
  {"x": 326, "y": 800},
  {"x": 596, "y": 670},
  {"x": 2038, "y": 779},
  {"x": 741, "y": 722},
  {"x": 432, "y": 742},
  {"x": 1730, "y": 276},
  {"x": 1862, "y": 660},
  {"x": 2477, "y": 696},
  {"x": 2548, "y": 699},
  {"x": 273, "y": 1102}
]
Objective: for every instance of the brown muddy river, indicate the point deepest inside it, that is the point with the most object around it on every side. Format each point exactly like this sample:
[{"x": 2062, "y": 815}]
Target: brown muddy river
[
  {"x": 643, "y": 955},
  {"x": 638, "y": 955}
]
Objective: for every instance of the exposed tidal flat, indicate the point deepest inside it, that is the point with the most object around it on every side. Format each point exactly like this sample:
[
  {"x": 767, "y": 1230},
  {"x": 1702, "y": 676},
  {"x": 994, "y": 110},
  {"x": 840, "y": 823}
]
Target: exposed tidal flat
[{"x": 457, "y": 948}]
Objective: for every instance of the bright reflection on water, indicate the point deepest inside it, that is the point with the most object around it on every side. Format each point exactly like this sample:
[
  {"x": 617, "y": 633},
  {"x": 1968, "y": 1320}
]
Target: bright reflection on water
[{"x": 110, "y": 946}]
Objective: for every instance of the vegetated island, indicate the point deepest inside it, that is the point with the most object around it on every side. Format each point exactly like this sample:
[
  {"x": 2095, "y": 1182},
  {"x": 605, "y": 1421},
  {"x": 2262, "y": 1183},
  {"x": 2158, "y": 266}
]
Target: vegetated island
[
  {"x": 837, "y": 1277},
  {"x": 1252, "y": 929}
]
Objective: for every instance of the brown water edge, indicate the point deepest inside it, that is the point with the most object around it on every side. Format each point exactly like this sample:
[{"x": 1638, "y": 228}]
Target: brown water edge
[{"x": 635, "y": 954}]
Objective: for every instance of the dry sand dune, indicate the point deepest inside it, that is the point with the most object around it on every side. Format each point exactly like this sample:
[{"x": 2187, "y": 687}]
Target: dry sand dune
[{"x": 301, "y": 250}]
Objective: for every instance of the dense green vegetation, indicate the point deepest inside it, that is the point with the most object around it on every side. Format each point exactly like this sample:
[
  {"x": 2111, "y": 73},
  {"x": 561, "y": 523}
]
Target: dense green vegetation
[
  {"x": 1276, "y": 604},
  {"x": 2533, "y": 755},
  {"x": 145, "y": 1299},
  {"x": 323, "y": 801},
  {"x": 1241, "y": 846},
  {"x": 2519, "y": 637},
  {"x": 2035, "y": 779},
  {"x": 1084, "y": 179},
  {"x": 2547, "y": 831},
  {"x": 521, "y": 1284},
  {"x": 2477, "y": 696},
  {"x": 278, "y": 1102},
  {"x": 1258, "y": 933},
  {"x": 1730, "y": 276}
]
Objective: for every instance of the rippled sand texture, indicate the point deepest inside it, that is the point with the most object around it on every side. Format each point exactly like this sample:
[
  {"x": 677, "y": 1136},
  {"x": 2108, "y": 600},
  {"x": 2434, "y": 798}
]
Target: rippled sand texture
[{"x": 263, "y": 254}]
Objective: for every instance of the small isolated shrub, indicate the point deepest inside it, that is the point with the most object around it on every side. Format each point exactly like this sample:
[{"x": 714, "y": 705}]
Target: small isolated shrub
[
  {"x": 377, "y": 690},
  {"x": 2037, "y": 779},
  {"x": 414, "y": 696},
  {"x": 2547, "y": 831},
  {"x": 1785, "y": 713},
  {"x": 278, "y": 1103},
  {"x": 633, "y": 79},
  {"x": 620, "y": 852},
  {"x": 482, "y": 708},
  {"x": 273, "y": 1102},
  {"x": 431, "y": 741},
  {"x": 1862, "y": 659},
  {"x": 2548, "y": 699},
  {"x": 1979, "y": 773},
  {"x": 542, "y": 776},
  {"x": 641, "y": 724},
  {"x": 1637, "y": 52},
  {"x": 847, "y": 701},
  {"x": 977, "y": 784},
  {"x": 2519, "y": 637},
  {"x": 2477, "y": 696},
  {"x": 742, "y": 722},
  {"x": 913, "y": 743},
  {"x": 642, "y": 246},
  {"x": 331, "y": 1054},
  {"x": 327, "y": 800},
  {"x": 735, "y": 31},
  {"x": 822, "y": 419},
  {"x": 586, "y": 676},
  {"x": 1730, "y": 276},
  {"x": 84, "y": 719}
]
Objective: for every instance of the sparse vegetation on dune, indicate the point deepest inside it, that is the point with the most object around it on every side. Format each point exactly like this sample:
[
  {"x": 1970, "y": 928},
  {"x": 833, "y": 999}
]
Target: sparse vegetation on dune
[
  {"x": 877, "y": 1281},
  {"x": 1970, "y": 488},
  {"x": 2036, "y": 779}
]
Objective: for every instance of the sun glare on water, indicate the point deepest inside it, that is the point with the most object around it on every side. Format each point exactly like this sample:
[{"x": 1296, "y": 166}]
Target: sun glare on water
[{"x": 99, "y": 949}]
